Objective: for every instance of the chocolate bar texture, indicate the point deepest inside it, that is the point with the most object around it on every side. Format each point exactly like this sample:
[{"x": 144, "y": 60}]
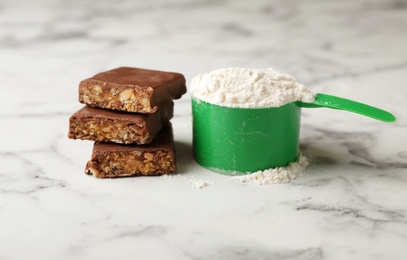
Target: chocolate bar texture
[
  {"x": 132, "y": 89},
  {"x": 117, "y": 160},
  {"x": 102, "y": 125}
]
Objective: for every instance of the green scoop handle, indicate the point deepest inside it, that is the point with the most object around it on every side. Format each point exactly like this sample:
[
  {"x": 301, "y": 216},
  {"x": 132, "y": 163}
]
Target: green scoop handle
[{"x": 324, "y": 100}]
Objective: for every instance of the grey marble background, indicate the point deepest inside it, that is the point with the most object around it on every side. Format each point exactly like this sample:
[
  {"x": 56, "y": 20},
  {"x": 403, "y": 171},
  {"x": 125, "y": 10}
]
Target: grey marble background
[{"x": 349, "y": 204}]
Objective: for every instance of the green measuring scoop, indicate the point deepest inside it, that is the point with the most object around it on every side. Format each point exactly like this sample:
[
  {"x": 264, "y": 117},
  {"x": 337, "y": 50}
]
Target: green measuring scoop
[
  {"x": 324, "y": 100},
  {"x": 237, "y": 141}
]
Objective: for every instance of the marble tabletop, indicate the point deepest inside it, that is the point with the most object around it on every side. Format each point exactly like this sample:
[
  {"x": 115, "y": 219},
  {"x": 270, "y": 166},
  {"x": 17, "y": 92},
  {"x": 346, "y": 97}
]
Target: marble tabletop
[{"x": 350, "y": 203}]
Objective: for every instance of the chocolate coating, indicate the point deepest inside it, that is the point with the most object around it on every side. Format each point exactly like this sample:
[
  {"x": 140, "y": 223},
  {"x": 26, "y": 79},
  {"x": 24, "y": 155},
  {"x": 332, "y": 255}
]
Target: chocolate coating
[
  {"x": 142, "y": 78},
  {"x": 132, "y": 89},
  {"x": 104, "y": 125}
]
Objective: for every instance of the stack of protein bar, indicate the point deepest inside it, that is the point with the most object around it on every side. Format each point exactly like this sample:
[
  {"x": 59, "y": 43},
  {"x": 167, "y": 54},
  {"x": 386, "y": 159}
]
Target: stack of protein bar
[{"x": 127, "y": 114}]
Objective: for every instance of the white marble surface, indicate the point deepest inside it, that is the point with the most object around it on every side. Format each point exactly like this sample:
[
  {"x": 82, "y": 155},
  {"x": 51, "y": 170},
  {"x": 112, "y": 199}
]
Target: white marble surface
[{"x": 351, "y": 203}]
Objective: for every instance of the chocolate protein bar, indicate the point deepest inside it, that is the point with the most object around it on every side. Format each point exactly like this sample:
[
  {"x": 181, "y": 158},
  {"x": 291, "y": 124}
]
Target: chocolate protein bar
[
  {"x": 102, "y": 125},
  {"x": 116, "y": 160},
  {"x": 132, "y": 89}
]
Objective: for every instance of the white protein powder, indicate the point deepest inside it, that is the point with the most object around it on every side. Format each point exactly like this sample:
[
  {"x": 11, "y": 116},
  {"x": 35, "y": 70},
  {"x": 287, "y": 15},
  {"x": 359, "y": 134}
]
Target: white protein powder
[
  {"x": 200, "y": 184},
  {"x": 276, "y": 175},
  {"x": 249, "y": 88}
]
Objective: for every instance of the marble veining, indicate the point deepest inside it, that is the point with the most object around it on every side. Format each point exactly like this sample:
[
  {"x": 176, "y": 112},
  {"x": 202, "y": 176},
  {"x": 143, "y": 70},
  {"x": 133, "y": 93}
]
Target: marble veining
[
  {"x": 356, "y": 145},
  {"x": 348, "y": 204}
]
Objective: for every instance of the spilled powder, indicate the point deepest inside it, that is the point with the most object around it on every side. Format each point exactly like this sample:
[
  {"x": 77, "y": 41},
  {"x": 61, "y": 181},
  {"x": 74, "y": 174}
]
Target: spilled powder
[
  {"x": 270, "y": 176},
  {"x": 196, "y": 184},
  {"x": 249, "y": 88},
  {"x": 276, "y": 175},
  {"x": 200, "y": 184}
]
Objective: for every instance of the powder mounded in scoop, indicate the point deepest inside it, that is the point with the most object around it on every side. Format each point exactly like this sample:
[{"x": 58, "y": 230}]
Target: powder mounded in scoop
[
  {"x": 249, "y": 88},
  {"x": 276, "y": 175}
]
